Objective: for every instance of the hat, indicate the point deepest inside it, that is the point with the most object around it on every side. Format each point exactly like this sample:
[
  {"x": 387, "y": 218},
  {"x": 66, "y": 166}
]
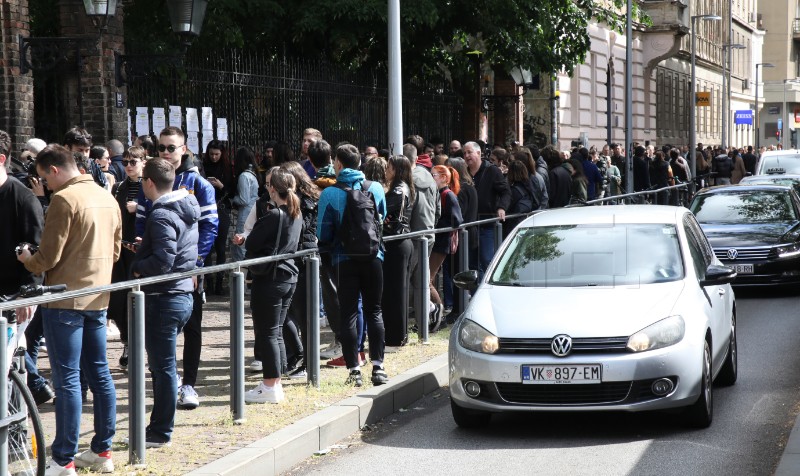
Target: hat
[{"x": 34, "y": 145}]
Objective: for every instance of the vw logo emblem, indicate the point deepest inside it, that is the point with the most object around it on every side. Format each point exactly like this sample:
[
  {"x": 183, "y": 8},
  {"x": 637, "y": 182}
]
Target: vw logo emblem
[
  {"x": 561, "y": 345},
  {"x": 733, "y": 253}
]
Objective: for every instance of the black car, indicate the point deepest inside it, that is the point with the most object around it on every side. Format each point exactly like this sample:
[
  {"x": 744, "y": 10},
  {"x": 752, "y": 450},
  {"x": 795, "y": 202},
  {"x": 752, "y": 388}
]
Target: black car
[{"x": 754, "y": 229}]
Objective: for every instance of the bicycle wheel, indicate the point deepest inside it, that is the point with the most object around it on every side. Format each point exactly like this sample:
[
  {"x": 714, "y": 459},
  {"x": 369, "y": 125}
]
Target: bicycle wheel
[{"x": 26, "y": 446}]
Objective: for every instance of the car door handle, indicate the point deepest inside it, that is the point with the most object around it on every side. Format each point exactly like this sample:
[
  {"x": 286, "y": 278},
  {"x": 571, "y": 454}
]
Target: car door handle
[{"x": 721, "y": 291}]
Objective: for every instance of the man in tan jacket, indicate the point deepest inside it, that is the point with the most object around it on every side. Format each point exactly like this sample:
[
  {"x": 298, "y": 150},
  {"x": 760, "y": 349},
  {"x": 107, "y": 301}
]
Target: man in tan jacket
[{"x": 80, "y": 242}]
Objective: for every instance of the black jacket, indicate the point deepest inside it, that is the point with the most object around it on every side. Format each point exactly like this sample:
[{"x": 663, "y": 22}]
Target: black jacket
[
  {"x": 399, "y": 206},
  {"x": 21, "y": 220},
  {"x": 261, "y": 242},
  {"x": 641, "y": 174},
  {"x": 560, "y": 187},
  {"x": 493, "y": 190},
  {"x": 468, "y": 201}
]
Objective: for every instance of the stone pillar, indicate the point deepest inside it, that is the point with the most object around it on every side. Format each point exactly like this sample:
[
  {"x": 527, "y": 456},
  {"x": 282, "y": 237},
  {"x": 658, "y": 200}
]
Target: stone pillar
[
  {"x": 98, "y": 90},
  {"x": 508, "y": 112},
  {"x": 16, "y": 91}
]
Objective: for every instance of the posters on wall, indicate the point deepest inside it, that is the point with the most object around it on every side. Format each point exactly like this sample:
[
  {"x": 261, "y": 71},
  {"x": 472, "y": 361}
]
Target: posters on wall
[
  {"x": 175, "y": 116},
  {"x": 222, "y": 129},
  {"x": 142, "y": 121},
  {"x": 159, "y": 120},
  {"x": 192, "y": 122},
  {"x": 197, "y": 138}
]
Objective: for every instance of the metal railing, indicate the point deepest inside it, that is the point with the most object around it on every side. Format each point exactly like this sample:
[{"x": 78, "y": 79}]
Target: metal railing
[{"x": 136, "y": 307}]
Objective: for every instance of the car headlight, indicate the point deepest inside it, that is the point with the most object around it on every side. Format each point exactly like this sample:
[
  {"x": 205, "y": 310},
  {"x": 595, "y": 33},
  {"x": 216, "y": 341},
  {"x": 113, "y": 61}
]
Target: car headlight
[
  {"x": 663, "y": 333},
  {"x": 789, "y": 251},
  {"x": 473, "y": 337}
]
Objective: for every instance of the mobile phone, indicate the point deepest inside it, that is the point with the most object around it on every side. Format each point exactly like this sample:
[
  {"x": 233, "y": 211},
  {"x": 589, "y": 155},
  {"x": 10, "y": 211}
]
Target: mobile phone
[{"x": 130, "y": 243}]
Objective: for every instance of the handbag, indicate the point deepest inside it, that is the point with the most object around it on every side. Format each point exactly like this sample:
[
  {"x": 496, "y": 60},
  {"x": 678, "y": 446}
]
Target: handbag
[{"x": 264, "y": 268}]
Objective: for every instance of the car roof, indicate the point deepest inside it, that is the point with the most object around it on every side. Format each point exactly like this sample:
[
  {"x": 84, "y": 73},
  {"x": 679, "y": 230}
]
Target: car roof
[
  {"x": 744, "y": 186},
  {"x": 781, "y": 153},
  {"x": 607, "y": 214},
  {"x": 771, "y": 177}
]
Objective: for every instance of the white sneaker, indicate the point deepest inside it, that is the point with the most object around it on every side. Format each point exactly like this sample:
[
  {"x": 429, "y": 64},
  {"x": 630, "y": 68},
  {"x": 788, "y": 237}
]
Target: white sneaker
[
  {"x": 265, "y": 394},
  {"x": 323, "y": 322},
  {"x": 256, "y": 366},
  {"x": 333, "y": 350},
  {"x": 187, "y": 398},
  {"x": 112, "y": 331},
  {"x": 95, "y": 462},
  {"x": 53, "y": 469}
]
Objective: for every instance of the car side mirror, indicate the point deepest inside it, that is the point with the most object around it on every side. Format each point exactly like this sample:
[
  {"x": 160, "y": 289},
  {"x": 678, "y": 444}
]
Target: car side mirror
[
  {"x": 716, "y": 274},
  {"x": 466, "y": 280}
]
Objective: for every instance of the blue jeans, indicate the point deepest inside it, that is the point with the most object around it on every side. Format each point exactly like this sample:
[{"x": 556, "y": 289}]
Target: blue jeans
[
  {"x": 164, "y": 317},
  {"x": 33, "y": 337},
  {"x": 486, "y": 244},
  {"x": 77, "y": 340}
]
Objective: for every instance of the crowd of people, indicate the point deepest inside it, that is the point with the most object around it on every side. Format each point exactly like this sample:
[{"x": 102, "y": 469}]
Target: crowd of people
[{"x": 89, "y": 215}]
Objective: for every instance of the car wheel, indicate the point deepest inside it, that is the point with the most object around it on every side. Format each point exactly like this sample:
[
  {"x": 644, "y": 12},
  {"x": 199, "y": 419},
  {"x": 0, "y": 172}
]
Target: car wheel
[
  {"x": 730, "y": 369},
  {"x": 469, "y": 418},
  {"x": 701, "y": 413}
]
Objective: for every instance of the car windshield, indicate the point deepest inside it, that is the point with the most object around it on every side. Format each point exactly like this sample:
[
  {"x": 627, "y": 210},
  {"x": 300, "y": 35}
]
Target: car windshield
[
  {"x": 590, "y": 255},
  {"x": 744, "y": 206},
  {"x": 780, "y": 164}
]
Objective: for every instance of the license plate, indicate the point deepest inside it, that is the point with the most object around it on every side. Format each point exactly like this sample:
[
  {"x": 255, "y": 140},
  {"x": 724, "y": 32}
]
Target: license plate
[
  {"x": 743, "y": 268},
  {"x": 560, "y": 374}
]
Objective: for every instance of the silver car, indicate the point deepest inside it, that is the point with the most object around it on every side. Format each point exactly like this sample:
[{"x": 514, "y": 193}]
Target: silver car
[{"x": 596, "y": 308}]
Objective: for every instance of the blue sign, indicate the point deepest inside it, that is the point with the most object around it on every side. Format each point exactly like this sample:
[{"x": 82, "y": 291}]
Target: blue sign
[
  {"x": 780, "y": 124},
  {"x": 743, "y": 118}
]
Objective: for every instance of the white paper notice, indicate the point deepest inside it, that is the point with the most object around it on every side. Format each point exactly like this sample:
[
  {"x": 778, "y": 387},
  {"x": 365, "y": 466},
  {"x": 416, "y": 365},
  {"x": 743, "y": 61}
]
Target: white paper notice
[
  {"x": 222, "y": 129},
  {"x": 208, "y": 136},
  {"x": 175, "y": 117},
  {"x": 192, "y": 124},
  {"x": 159, "y": 120},
  {"x": 193, "y": 142},
  {"x": 129, "y": 129},
  {"x": 142, "y": 122},
  {"x": 208, "y": 119}
]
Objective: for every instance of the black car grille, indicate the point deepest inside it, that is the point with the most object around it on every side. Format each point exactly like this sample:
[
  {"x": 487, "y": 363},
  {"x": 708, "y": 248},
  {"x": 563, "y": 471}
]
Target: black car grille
[
  {"x": 744, "y": 254},
  {"x": 575, "y": 394},
  {"x": 610, "y": 392},
  {"x": 579, "y": 345}
]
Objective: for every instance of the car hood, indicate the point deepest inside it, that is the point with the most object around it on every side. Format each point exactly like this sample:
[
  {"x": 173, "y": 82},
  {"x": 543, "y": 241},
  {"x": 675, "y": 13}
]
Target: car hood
[
  {"x": 523, "y": 312},
  {"x": 754, "y": 234}
]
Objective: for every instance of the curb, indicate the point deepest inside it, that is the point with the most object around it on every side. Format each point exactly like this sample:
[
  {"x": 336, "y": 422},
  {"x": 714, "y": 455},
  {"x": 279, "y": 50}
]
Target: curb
[
  {"x": 283, "y": 449},
  {"x": 790, "y": 460}
]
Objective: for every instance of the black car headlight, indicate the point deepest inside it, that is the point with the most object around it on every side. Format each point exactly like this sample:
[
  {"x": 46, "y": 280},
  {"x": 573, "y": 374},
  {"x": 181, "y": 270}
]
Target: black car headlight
[
  {"x": 473, "y": 337},
  {"x": 788, "y": 251},
  {"x": 663, "y": 333}
]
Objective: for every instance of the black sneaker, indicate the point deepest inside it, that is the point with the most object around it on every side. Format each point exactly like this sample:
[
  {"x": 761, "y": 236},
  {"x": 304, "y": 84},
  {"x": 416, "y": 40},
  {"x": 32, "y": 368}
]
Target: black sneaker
[
  {"x": 435, "y": 319},
  {"x": 44, "y": 394},
  {"x": 379, "y": 376},
  {"x": 354, "y": 379},
  {"x": 123, "y": 360}
]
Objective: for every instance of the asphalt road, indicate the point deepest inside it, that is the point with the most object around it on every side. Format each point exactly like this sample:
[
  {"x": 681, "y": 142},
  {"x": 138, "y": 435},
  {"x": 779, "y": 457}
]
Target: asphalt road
[{"x": 752, "y": 421}]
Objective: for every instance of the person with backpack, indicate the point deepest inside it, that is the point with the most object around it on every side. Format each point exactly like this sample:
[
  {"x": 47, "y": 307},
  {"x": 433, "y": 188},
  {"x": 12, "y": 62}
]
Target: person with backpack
[
  {"x": 349, "y": 226},
  {"x": 523, "y": 196},
  {"x": 445, "y": 244},
  {"x": 276, "y": 233}
]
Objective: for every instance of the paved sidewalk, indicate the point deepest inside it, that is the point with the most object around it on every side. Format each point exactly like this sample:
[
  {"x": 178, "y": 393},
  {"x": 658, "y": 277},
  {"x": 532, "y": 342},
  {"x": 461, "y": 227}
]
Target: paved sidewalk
[{"x": 790, "y": 460}]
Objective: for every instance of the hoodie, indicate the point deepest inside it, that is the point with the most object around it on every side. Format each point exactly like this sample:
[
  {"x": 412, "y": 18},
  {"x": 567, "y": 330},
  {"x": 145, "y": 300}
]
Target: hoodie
[
  {"x": 332, "y": 202},
  {"x": 188, "y": 177},
  {"x": 325, "y": 177},
  {"x": 425, "y": 161},
  {"x": 169, "y": 242},
  {"x": 427, "y": 204}
]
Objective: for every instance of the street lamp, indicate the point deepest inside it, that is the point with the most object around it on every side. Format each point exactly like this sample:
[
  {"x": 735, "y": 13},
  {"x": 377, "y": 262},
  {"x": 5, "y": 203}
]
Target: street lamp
[
  {"x": 725, "y": 90},
  {"x": 693, "y": 96},
  {"x": 758, "y": 124},
  {"x": 100, "y": 11},
  {"x": 187, "y": 18}
]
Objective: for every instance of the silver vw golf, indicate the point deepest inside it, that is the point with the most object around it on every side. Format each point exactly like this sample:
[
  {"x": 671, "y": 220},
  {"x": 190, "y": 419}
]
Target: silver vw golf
[{"x": 596, "y": 308}]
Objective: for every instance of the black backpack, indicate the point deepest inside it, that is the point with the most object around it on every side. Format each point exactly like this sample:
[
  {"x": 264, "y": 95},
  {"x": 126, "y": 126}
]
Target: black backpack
[
  {"x": 361, "y": 230},
  {"x": 526, "y": 203}
]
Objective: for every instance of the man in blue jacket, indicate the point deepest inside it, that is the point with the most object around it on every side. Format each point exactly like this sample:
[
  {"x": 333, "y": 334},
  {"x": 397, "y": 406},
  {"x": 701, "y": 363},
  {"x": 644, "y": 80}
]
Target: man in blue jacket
[
  {"x": 356, "y": 277},
  {"x": 172, "y": 147},
  {"x": 169, "y": 245}
]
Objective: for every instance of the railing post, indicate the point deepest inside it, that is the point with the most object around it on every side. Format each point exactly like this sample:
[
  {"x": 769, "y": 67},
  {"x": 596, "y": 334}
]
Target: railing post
[
  {"x": 237, "y": 347},
  {"x": 463, "y": 264},
  {"x": 423, "y": 293},
  {"x": 136, "y": 382},
  {"x": 312, "y": 325},
  {"x": 498, "y": 235},
  {"x": 4, "y": 395}
]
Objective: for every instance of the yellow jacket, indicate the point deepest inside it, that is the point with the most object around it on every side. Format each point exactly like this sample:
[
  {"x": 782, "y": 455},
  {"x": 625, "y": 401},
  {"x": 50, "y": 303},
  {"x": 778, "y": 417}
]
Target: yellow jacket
[{"x": 80, "y": 242}]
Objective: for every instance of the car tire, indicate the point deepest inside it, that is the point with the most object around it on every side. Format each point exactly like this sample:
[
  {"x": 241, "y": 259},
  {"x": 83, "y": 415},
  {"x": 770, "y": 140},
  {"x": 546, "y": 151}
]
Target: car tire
[
  {"x": 469, "y": 418},
  {"x": 730, "y": 369},
  {"x": 701, "y": 413}
]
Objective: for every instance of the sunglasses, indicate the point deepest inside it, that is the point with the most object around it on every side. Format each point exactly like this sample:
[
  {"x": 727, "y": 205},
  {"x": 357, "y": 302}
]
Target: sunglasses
[
  {"x": 130, "y": 162},
  {"x": 170, "y": 148}
]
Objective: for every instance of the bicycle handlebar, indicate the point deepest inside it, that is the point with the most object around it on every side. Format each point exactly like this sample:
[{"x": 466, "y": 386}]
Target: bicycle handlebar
[{"x": 33, "y": 290}]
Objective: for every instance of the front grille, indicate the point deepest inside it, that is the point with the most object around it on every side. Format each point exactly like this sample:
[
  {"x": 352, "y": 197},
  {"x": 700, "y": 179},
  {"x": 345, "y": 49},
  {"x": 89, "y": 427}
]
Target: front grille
[
  {"x": 579, "y": 345},
  {"x": 574, "y": 394},
  {"x": 745, "y": 254}
]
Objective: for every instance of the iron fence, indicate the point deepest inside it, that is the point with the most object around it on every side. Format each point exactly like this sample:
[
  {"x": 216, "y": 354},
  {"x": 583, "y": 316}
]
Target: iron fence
[{"x": 275, "y": 98}]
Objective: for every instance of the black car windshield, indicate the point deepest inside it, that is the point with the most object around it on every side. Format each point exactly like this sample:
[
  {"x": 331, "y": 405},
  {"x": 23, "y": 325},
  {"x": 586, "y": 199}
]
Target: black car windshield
[
  {"x": 744, "y": 206},
  {"x": 590, "y": 255}
]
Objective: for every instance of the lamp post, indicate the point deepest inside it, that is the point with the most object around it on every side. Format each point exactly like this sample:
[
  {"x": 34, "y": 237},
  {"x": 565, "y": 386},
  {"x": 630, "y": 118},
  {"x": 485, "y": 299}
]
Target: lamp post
[
  {"x": 693, "y": 96},
  {"x": 758, "y": 124},
  {"x": 187, "y": 18},
  {"x": 725, "y": 87}
]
